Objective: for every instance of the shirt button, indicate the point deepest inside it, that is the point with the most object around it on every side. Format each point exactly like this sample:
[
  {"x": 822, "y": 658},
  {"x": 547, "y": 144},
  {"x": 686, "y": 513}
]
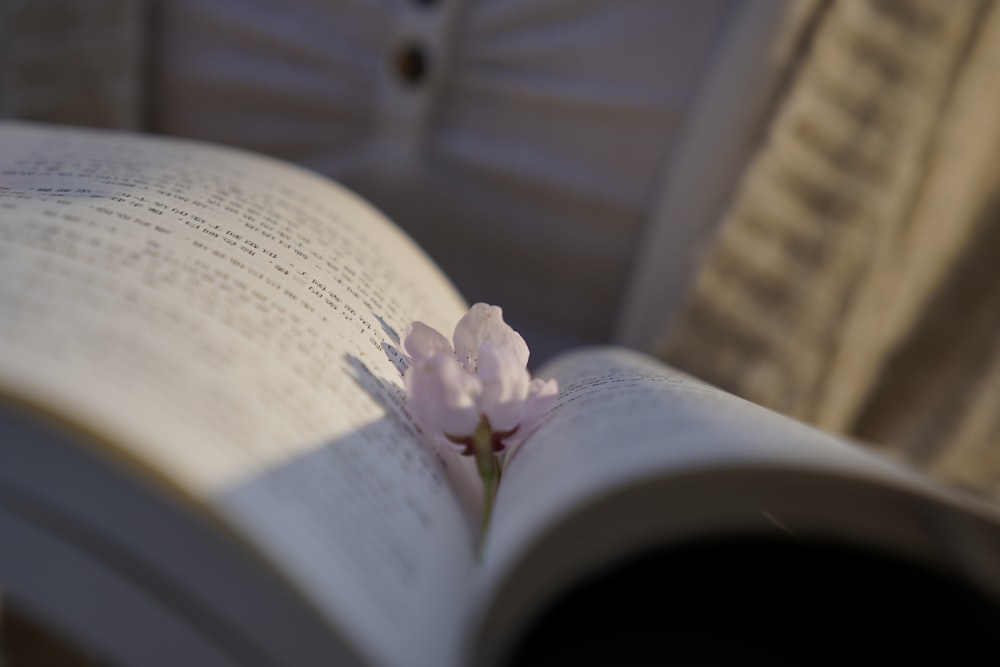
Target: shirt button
[{"x": 411, "y": 63}]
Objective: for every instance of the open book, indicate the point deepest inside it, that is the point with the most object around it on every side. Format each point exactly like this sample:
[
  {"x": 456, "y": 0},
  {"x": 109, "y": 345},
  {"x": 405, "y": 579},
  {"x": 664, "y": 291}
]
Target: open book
[{"x": 205, "y": 457}]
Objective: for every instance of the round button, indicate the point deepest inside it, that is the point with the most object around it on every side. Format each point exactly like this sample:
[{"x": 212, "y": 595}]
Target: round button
[{"x": 411, "y": 63}]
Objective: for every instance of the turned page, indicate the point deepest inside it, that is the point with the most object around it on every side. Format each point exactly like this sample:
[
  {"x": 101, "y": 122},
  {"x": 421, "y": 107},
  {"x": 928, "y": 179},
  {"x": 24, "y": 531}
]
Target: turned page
[
  {"x": 623, "y": 420},
  {"x": 232, "y": 322}
]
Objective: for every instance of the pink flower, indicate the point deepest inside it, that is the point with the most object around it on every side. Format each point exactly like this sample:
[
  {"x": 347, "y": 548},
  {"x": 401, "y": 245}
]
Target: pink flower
[{"x": 480, "y": 383}]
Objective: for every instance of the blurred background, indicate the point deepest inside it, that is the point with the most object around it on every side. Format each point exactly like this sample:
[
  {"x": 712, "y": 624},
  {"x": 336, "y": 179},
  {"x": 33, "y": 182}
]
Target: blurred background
[{"x": 793, "y": 200}]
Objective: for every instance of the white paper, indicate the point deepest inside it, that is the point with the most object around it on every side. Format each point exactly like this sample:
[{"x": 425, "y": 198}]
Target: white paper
[{"x": 229, "y": 321}]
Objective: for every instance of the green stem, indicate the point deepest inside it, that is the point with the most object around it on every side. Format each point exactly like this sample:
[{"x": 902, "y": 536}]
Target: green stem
[
  {"x": 489, "y": 473},
  {"x": 489, "y": 493}
]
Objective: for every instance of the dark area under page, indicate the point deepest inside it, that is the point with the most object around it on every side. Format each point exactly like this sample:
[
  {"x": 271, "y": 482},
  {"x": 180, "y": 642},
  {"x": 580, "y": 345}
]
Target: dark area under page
[{"x": 766, "y": 602}]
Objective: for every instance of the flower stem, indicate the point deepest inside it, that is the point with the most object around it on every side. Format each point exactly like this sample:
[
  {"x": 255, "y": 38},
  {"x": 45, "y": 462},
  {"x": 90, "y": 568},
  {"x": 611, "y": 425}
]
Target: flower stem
[
  {"x": 489, "y": 493},
  {"x": 489, "y": 473}
]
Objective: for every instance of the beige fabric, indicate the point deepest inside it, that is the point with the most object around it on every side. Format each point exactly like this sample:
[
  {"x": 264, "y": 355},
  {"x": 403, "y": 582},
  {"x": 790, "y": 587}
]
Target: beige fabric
[
  {"x": 859, "y": 209},
  {"x": 759, "y": 52},
  {"x": 77, "y": 63}
]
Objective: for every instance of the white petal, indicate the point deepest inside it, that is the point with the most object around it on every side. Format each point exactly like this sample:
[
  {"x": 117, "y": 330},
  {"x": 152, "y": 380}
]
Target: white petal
[
  {"x": 442, "y": 396},
  {"x": 505, "y": 385},
  {"x": 541, "y": 397},
  {"x": 481, "y": 325},
  {"x": 421, "y": 342}
]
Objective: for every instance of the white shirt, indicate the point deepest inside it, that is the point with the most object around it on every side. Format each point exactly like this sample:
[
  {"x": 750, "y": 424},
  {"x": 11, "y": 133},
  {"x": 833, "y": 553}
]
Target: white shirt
[{"x": 524, "y": 155}]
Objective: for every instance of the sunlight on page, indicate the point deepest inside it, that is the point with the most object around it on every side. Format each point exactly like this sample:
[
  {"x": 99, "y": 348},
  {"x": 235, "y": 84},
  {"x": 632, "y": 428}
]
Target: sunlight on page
[
  {"x": 229, "y": 322},
  {"x": 621, "y": 419}
]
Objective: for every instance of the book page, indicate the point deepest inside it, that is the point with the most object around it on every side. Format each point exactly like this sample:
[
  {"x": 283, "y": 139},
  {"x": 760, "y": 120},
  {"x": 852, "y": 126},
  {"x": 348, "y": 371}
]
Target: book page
[
  {"x": 699, "y": 460},
  {"x": 621, "y": 418},
  {"x": 230, "y": 322}
]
